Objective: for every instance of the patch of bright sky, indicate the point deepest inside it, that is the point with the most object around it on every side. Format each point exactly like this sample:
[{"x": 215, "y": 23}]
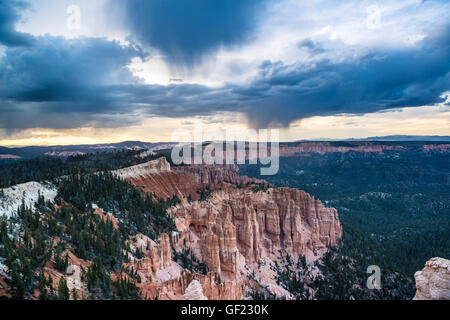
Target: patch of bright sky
[{"x": 427, "y": 120}]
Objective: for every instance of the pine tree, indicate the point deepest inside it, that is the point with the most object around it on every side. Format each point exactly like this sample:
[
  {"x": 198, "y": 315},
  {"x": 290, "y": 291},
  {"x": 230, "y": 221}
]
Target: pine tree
[
  {"x": 28, "y": 272},
  {"x": 50, "y": 283},
  {"x": 74, "y": 294},
  {"x": 63, "y": 290},
  {"x": 42, "y": 285},
  {"x": 20, "y": 289}
]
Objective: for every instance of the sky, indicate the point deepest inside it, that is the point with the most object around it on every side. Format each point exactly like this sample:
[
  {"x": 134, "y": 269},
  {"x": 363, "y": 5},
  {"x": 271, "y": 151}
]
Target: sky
[{"x": 84, "y": 71}]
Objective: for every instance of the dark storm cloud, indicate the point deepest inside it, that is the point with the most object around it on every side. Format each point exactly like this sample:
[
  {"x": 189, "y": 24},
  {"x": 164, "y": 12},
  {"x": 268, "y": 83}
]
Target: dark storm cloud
[
  {"x": 32, "y": 115},
  {"x": 281, "y": 94},
  {"x": 378, "y": 81},
  {"x": 177, "y": 100},
  {"x": 184, "y": 31},
  {"x": 9, "y": 16},
  {"x": 57, "y": 69},
  {"x": 53, "y": 82},
  {"x": 41, "y": 83}
]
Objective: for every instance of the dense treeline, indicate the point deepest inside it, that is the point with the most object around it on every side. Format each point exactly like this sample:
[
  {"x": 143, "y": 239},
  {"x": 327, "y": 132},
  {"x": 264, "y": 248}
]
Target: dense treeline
[
  {"x": 48, "y": 168},
  {"x": 140, "y": 212},
  {"x": 344, "y": 275},
  {"x": 395, "y": 212}
]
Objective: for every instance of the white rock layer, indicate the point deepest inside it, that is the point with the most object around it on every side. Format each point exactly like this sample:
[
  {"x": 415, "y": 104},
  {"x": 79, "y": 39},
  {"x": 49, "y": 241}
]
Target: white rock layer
[
  {"x": 151, "y": 167},
  {"x": 194, "y": 291},
  {"x": 29, "y": 192}
]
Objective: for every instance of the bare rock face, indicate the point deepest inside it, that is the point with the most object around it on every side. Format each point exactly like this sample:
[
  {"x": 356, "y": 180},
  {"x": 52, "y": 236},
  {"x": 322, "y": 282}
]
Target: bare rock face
[
  {"x": 226, "y": 290},
  {"x": 157, "y": 264},
  {"x": 157, "y": 177},
  {"x": 257, "y": 225},
  {"x": 433, "y": 282},
  {"x": 212, "y": 176},
  {"x": 166, "y": 251},
  {"x": 194, "y": 291}
]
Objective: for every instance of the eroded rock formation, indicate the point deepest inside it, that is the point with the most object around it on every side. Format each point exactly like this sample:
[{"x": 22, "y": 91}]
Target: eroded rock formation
[
  {"x": 194, "y": 291},
  {"x": 256, "y": 225},
  {"x": 159, "y": 178},
  {"x": 433, "y": 281},
  {"x": 213, "y": 176},
  {"x": 239, "y": 232}
]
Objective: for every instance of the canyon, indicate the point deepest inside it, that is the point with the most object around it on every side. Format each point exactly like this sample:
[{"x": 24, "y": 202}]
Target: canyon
[
  {"x": 241, "y": 231},
  {"x": 215, "y": 233}
]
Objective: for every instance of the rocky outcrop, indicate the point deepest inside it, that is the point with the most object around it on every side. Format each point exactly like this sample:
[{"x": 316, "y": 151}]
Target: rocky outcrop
[
  {"x": 156, "y": 265},
  {"x": 212, "y": 176},
  {"x": 157, "y": 177},
  {"x": 166, "y": 251},
  {"x": 194, "y": 291},
  {"x": 433, "y": 282}
]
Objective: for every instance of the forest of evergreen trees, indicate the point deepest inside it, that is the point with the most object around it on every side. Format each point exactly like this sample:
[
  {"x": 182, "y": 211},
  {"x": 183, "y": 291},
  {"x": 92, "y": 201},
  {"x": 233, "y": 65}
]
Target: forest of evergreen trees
[
  {"x": 46, "y": 168},
  {"x": 395, "y": 212},
  {"x": 70, "y": 223}
]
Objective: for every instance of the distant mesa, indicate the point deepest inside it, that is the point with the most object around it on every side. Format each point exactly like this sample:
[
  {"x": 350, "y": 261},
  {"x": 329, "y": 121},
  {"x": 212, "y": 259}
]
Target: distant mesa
[
  {"x": 17, "y": 153},
  {"x": 321, "y": 146},
  {"x": 405, "y": 138}
]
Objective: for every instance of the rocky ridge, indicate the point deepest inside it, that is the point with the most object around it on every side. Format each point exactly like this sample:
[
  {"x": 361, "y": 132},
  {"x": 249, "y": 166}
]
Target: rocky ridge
[
  {"x": 232, "y": 237},
  {"x": 157, "y": 177}
]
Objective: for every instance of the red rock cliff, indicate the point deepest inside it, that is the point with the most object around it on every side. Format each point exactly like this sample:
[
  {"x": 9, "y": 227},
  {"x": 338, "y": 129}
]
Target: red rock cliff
[{"x": 159, "y": 178}]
